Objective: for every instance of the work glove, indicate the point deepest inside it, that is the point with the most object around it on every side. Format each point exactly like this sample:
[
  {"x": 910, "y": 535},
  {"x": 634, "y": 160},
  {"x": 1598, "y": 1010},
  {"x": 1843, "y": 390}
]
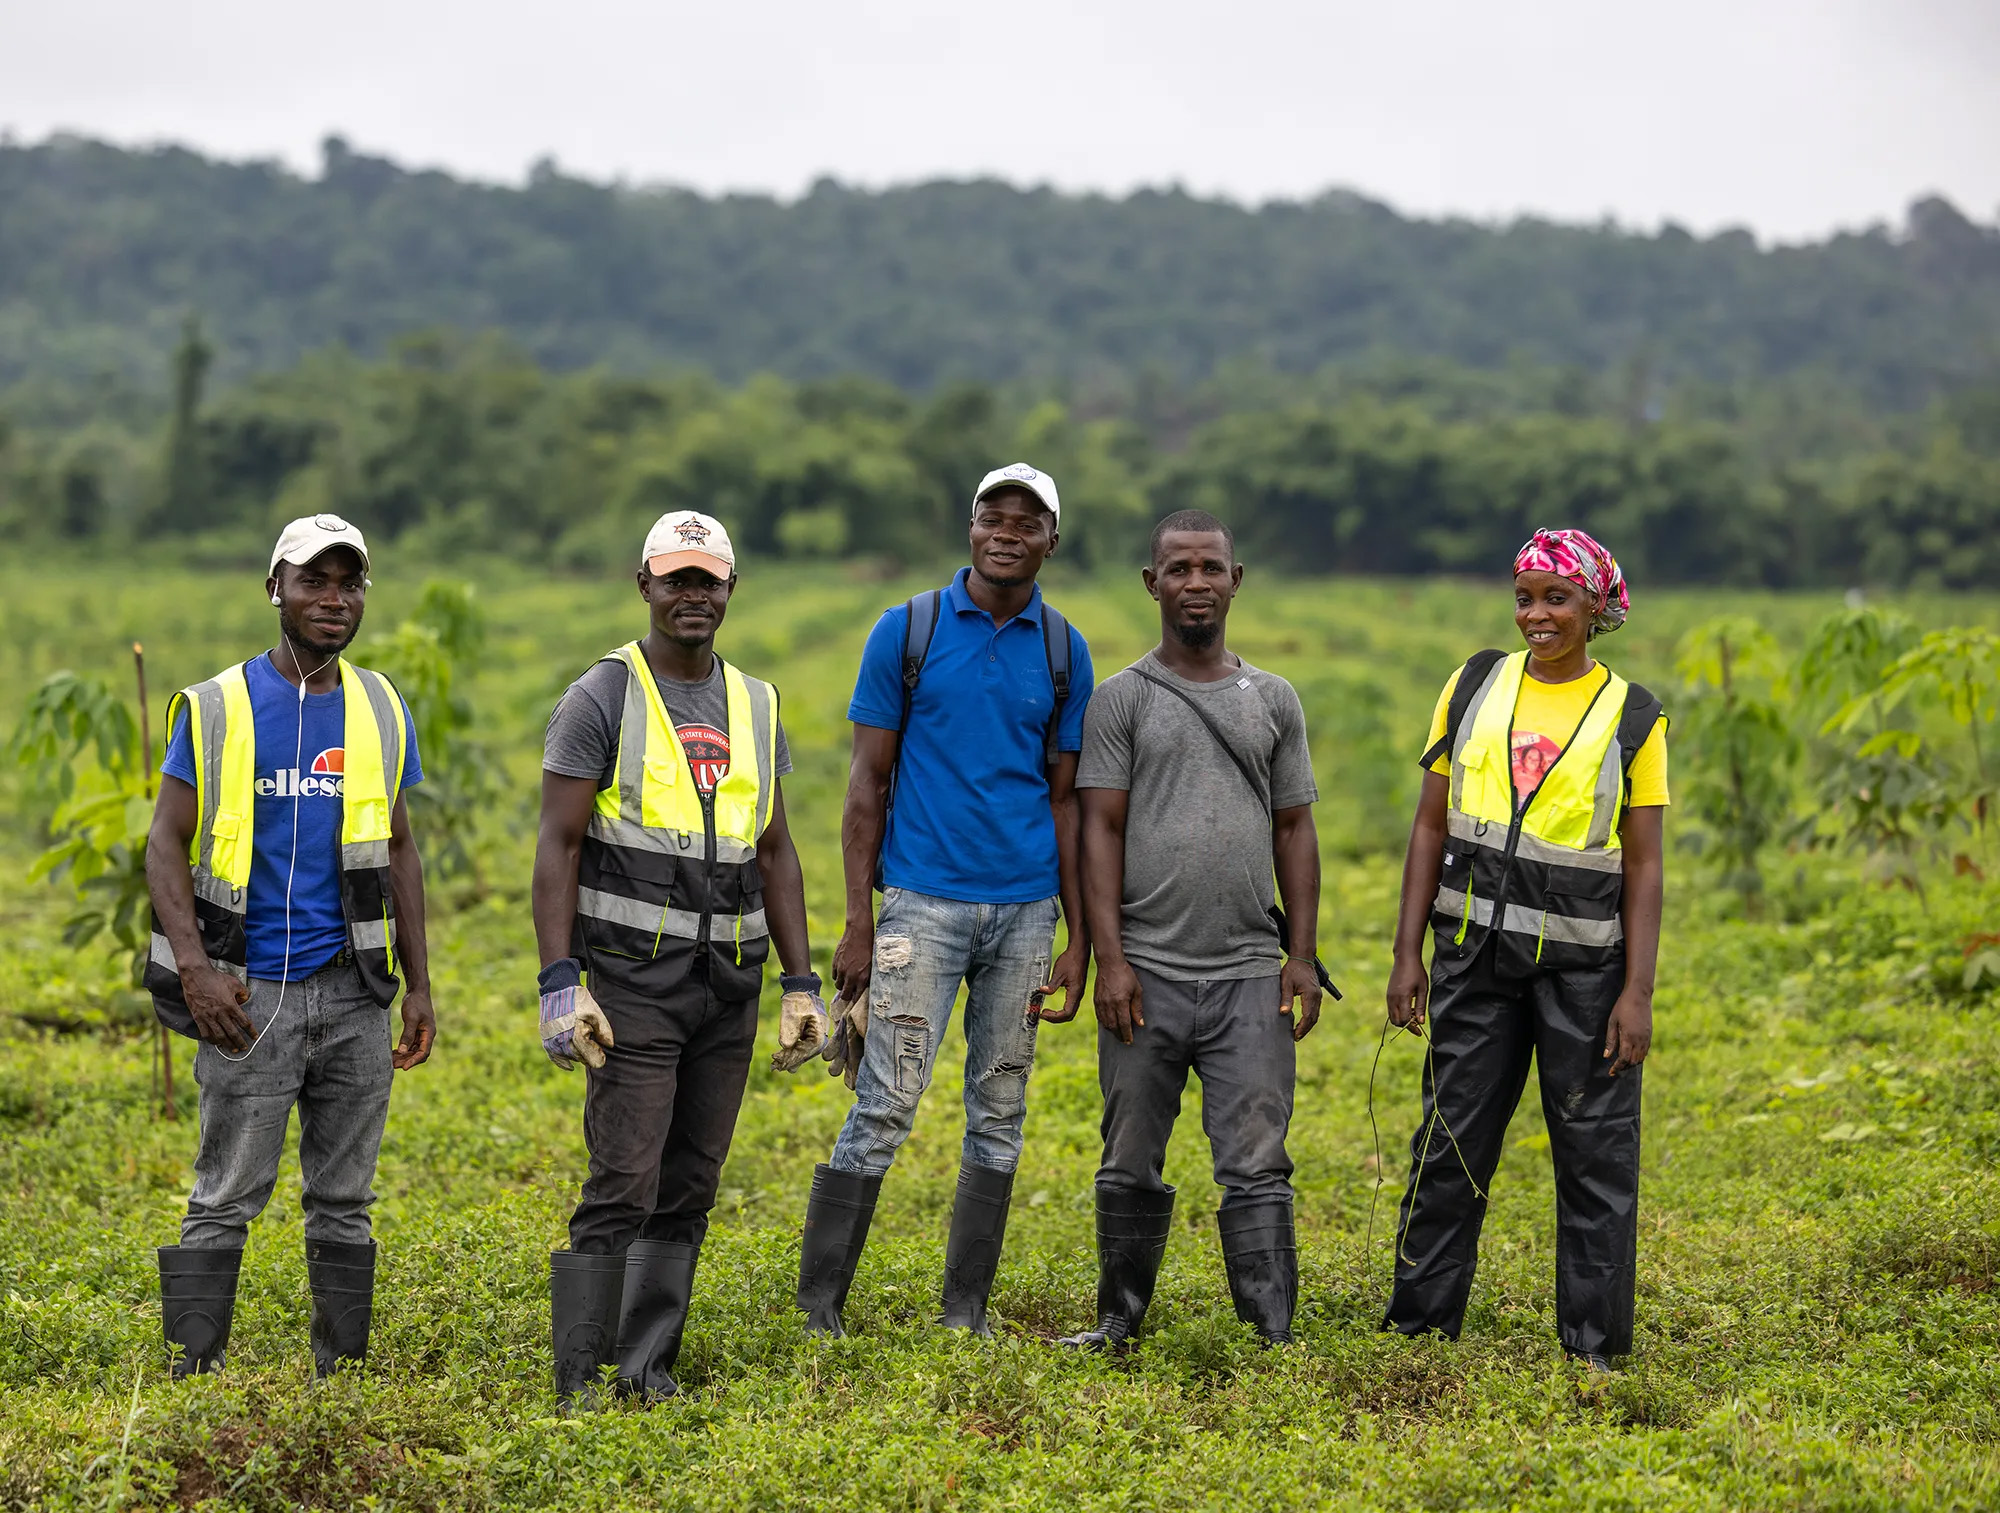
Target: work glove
[
  {"x": 801, "y": 1023},
  {"x": 573, "y": 1026},
  {"x": 845, "y": 1046}
]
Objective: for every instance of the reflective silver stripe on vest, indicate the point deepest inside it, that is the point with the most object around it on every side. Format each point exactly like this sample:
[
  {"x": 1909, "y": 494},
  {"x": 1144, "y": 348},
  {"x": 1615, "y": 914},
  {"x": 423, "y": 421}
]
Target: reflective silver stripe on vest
[
  {"x": 211, "y": 889},
  {"x": 360, "y": 855},
  {"x": 1465, "y": 728},
  {"x": 631, "y": 751},
  {"x": 372, "y": 934},
  {"x": 633, "y": 837},
  {"x": 636, "y": 837},
  {"x": 1610, "y": 790},
  {"x": 754, "y": 925},
  {"x": 1598, "y": 933},
  {"x": 1493, "y": 835},
  {"x": 388, "y": 729},
  {"x": 161, "y": 954},
  {"x": 208, "y": 708},
  {"x": 763, "y": 709},
  {"x": 634, "y": 914}
]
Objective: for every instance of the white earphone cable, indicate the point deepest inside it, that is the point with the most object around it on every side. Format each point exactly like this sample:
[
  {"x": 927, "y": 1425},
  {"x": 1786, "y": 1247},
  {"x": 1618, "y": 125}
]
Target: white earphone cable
[{"x": 291, "y": 874}]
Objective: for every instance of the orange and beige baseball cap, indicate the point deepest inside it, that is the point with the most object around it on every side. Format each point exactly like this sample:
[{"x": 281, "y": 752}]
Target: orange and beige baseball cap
[{"x": 685, "y": 538}]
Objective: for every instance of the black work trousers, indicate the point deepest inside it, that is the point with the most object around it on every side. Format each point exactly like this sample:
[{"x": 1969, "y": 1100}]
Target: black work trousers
[
  {"x": 658, "y": 1116},
  {"x": 1486, "y": 1023}
]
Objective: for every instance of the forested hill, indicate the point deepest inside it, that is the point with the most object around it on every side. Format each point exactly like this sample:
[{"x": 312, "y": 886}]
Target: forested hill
[{"x": 104, "y": 250}]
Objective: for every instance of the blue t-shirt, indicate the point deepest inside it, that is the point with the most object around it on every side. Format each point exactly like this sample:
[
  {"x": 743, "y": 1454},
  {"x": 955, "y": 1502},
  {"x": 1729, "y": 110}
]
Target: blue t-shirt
[
  {"x": 970, "y": 818},
  {"x": 299, "y": 763}
]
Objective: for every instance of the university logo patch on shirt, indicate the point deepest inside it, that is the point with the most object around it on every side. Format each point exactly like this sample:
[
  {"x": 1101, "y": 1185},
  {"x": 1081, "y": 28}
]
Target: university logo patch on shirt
[
  {"x": 707, "y": 754},
  {"x": 324, "y": 778}
]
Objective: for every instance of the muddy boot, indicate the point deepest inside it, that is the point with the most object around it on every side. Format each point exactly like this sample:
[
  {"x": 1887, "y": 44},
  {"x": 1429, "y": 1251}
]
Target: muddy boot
[
  {"x": 659, "y": 1284},
  {"x": 342, "y": 1278},
  {"x": 197, "y": 1301},
  {"x": 972, "y": 1254},
  {"x": 837, "y": 1219},
  {"x": 1132, "y": 1229},
  {"x": 584, "y": 1293},
  {"x": 1262, "y": 1258}
]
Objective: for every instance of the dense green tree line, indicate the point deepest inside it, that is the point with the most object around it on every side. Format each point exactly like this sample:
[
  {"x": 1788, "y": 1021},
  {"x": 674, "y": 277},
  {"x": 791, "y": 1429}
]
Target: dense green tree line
[
  {"x": 103, "y": 251},
  {"x": 454, "y": 444}
]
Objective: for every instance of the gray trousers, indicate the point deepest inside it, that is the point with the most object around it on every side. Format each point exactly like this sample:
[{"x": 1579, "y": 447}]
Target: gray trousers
[
  {"x": 328, "y": 1053},
  {"x": 1231, "y": 1035}
]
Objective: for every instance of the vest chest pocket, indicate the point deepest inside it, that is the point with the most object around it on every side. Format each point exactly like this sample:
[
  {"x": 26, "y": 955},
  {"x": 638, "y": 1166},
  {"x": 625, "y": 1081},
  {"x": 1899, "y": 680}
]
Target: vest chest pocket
[{"x": 1580, "y": 908}]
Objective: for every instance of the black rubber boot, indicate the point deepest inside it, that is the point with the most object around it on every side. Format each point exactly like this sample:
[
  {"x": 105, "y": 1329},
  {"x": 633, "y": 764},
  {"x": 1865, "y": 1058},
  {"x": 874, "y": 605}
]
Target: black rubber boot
[
  {"x": 584, "y": 1294},
  {"x": 837, "y": 1218},
  {"x": 972, "y": 1254},
  {"x": 197, "y": 1301},
  {"x": 1261, "y": 1255},
  {"x": 1132, "y": 1230},
  {"x": 659, "y": 1284},
  {"x": 342, "y": 1278}
]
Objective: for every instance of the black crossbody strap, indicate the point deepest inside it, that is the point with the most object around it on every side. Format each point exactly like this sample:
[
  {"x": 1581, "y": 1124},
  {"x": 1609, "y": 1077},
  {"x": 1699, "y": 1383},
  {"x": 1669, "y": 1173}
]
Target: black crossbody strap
[{"x": 1263, "y": 799}]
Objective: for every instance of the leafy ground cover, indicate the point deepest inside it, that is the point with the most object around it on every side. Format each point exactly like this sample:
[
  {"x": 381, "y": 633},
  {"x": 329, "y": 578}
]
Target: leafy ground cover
[{"x": 1819, "y": 1326}]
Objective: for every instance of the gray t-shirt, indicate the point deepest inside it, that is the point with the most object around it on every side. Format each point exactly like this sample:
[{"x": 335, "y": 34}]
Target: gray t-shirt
[
  {"x": 1198, "y": 873},
  {"x": 582, "y": 740}
]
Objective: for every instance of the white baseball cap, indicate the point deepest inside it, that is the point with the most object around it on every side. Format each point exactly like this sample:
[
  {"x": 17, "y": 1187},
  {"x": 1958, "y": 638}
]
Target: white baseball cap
[
  {"x": 309, "y": 535},
  {"x": 1019, "y": 475},
  {"x": 683, "y": 538}
]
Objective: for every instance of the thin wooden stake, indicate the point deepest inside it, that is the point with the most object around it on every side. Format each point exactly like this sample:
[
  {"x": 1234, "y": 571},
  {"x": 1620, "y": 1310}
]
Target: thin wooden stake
[{"x": 167, "y": 1109}]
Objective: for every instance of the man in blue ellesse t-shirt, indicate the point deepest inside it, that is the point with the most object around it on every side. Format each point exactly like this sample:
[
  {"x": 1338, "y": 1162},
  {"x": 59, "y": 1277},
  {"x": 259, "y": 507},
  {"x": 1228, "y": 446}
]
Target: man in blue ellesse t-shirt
[
  {"x": 969, "y": 807},
  {"x": 287, "y": 891}
]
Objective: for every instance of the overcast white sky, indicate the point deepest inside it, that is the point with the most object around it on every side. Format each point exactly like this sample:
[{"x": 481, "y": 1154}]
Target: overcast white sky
[{"x": 1789, "y": 116}]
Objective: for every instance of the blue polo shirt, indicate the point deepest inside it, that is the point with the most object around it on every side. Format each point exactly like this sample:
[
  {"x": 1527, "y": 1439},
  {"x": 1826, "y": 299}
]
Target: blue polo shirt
[{"x": 971, "y": 817}]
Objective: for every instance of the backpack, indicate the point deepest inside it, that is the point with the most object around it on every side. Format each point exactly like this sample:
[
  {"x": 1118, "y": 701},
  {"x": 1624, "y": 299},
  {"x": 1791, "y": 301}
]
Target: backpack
[{"x": 1642, "y": 710}]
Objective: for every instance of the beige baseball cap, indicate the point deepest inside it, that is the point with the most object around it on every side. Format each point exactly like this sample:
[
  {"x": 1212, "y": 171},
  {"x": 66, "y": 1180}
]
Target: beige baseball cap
[
  {"x": 1018, "y": 475},
  {"x": 309, "y": 535},
  {"x": 685, "y": 538}
]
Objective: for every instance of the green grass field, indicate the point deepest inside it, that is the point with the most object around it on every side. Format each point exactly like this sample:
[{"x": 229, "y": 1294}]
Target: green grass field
[{"x": 1818, "y": 1326}]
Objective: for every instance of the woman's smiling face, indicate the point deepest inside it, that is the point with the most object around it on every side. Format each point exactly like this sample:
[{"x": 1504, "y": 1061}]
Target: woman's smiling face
[{"x": 1553, "y": 614}]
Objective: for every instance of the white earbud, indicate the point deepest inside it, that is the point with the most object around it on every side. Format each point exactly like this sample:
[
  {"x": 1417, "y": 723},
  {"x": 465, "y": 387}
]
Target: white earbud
[
  {"x": 291, "y": 875},
  {"x": 276, "y": 602}
]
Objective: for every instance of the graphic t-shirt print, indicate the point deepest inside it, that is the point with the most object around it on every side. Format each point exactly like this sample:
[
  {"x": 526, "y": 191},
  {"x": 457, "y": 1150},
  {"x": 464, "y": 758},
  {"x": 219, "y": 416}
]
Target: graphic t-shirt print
[
  {"x": 324, "y": 777},
  {"x": 1534, "y": 754},
  {"x": 708, "y": 756}
]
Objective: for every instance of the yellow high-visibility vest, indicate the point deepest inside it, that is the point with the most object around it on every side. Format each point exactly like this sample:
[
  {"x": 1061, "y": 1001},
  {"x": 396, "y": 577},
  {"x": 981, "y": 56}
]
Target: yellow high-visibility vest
[
  {"x": 661, "y": 874},
  {"x": 223, "y": 733},
  {"x": 1547, "y": 874}
]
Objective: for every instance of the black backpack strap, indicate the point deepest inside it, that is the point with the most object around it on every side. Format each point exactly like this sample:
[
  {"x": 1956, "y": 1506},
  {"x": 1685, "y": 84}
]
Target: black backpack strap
[
  {"x": 1642, "y": 712},
  {"x": 1055, "y": 646},
  {"x": 918, "y": 628},
  {"x": 1470, "y": 676}
]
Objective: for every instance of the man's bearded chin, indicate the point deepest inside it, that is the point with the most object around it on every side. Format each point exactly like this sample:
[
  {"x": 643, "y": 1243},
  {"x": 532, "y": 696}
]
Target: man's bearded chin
[
  {"x": 1199, "y": 636},
  {"x": 306, "y": 636}
]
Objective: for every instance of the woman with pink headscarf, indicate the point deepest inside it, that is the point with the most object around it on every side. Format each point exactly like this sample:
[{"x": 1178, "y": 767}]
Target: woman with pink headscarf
[{"x": 1535, "y": 859}]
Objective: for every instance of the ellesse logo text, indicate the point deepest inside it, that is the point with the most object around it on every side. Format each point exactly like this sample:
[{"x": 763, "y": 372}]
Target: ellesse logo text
[{"x": 320, "y": 781}]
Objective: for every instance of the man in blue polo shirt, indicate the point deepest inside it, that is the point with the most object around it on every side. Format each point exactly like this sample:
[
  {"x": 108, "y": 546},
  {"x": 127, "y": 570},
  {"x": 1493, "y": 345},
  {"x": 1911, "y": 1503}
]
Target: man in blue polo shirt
[{"x": 962, "y": 794}]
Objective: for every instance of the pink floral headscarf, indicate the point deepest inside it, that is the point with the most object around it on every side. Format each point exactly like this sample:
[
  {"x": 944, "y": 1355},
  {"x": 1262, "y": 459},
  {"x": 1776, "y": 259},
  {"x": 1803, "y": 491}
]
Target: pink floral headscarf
[{"x": 1576, "y": 555}]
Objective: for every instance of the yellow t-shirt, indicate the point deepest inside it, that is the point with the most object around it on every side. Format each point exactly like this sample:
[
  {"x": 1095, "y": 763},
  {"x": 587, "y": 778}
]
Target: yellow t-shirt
[{"x": 1544, "y": 721}]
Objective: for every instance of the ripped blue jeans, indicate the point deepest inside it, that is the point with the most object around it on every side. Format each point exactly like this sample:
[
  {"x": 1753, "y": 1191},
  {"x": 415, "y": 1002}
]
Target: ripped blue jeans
[{"x": 924, "y": 948}]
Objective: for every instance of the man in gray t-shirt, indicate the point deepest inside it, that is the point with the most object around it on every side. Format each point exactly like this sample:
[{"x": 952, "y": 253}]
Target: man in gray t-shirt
[{"x": 1197, "y": 787}]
